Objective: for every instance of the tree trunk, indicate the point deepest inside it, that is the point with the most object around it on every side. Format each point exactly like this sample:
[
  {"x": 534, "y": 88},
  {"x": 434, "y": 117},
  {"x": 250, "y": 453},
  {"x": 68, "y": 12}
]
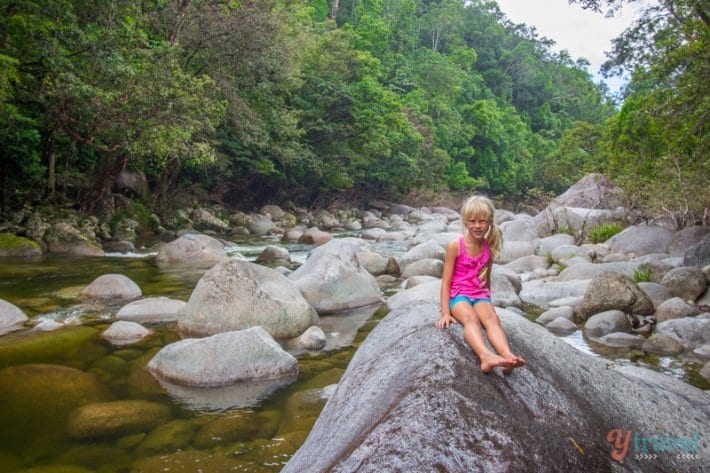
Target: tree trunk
[
  {"x": 51, "y": 175},
  {"x": 334, "y": 9},
  {"x": 103, "y": 180},
  {"x": 168, "y": 179}
]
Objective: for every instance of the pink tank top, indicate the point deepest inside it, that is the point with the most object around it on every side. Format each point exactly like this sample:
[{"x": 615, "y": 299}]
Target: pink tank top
[{"x": 469, "y": 276}]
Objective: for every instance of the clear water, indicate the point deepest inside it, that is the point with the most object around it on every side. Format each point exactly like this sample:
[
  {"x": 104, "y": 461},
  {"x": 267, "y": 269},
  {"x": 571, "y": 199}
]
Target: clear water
[{"x": 36, "y": 407}]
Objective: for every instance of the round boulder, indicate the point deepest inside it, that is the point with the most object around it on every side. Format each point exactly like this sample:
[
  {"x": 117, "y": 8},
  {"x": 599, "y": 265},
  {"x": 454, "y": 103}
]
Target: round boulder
[
  {"x": 332, "y": 280},
  {"x": 236, "y": 295},
  {"x": 111, "y": 286},
  {"x": 12, "y": 245},
  {"x": 112, "y": 419},
  {"x": 244, "y": 355},
  {"x": 675, "y": 308},
  {"x": 609, "y": 291},
  {"x": 125, "y": 333},
  {"x": 607, "y": 322},
  {"x": 151, "y": 310},
  {"x": 192, "y": 248},
  {"x": 687, "y": 282}
]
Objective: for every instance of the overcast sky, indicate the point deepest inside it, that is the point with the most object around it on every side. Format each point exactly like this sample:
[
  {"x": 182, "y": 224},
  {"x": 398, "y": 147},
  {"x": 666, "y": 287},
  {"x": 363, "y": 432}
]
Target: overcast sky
[{"x": 583, "y": 33}]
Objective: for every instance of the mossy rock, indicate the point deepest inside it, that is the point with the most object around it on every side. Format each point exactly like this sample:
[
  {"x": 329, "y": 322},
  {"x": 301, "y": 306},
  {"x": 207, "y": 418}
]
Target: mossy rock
[
  {"x": 13, "y": 245},
  {"x": 170, "y": 437},
  {"x": 228, "y": 428},
  {"x": 301, "y": 410},
  {"x": 45, "y": 347},
  {"x": 110, "y": 368},
  {"x": 37, "y": 399},
  {"x": 114, "y": 419}
]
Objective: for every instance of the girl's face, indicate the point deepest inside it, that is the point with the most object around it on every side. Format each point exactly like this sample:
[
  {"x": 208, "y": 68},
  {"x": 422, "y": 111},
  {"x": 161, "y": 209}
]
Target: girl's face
[{"x": 477, "y": 226}]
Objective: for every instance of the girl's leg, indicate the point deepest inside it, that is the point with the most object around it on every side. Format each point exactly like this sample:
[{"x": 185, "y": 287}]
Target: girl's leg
[
  {"x": 489, "y": 319},
  {"x": 464, "y": 313}
]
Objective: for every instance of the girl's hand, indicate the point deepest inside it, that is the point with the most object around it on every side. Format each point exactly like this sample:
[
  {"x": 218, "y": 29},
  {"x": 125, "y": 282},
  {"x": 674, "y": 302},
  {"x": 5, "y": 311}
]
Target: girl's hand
[{"x": 445, "y": 321}]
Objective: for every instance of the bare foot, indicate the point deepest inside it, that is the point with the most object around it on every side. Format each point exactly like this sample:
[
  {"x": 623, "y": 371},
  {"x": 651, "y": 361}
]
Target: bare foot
[
  {"x": 488, "y": 362},
  {"x": 516, "y": 363}
]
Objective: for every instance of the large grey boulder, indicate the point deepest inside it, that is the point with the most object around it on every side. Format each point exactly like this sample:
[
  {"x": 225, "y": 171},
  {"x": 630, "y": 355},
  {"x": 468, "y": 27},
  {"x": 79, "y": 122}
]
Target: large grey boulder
[
  {"x": 609, "y": 291},
  {"x": 556, "y": 217},
  {"x": 640, "y": 240},
  {"x": 244, "y": 355},
  {"x": 414, "y": 399},
  {"x": 11, "y": 317},
  {"x": 332, "y": 280},
  {"x": 593, "y": 191},
  {"x": 193, "y": 248},
  {"x": 237, "y": 294}
]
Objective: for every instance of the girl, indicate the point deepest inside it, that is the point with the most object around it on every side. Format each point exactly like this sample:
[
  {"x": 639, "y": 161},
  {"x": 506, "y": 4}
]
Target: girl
[{"x": 466, "y": 282}]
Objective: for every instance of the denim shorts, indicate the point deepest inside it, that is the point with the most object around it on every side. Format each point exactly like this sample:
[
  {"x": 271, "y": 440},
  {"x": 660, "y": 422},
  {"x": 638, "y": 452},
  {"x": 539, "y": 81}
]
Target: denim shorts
[{"x": 470, "y": 300}]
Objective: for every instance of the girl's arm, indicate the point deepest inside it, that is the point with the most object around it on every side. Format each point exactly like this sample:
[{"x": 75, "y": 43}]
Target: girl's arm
[{"x": 452, "y": 251}]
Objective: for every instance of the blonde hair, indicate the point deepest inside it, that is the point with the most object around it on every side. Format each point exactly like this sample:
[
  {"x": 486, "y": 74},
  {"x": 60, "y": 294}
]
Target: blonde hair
[{"x": 476, "y": 206}]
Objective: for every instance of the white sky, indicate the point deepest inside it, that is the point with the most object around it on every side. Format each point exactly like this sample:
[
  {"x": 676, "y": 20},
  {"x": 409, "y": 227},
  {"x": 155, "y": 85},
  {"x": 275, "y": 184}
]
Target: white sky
[{"x": 583, "y": 33}]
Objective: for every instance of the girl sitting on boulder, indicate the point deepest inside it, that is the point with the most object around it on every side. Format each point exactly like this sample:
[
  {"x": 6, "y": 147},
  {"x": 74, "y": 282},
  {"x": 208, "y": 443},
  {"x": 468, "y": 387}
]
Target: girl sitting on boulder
[{"x": 466, "y": 282}]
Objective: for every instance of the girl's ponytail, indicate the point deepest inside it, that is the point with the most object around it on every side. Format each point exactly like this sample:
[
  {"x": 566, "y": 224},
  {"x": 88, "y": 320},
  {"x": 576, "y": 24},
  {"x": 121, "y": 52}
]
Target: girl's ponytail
[{"x": 495, "y": 240}]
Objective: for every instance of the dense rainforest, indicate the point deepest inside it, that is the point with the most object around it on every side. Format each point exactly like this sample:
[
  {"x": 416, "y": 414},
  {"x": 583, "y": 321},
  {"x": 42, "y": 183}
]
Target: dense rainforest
[{"x": 244, "y": 102}]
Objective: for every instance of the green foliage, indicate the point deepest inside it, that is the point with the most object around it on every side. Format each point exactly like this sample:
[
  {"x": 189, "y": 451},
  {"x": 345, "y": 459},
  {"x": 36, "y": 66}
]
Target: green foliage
[
  {"x": 271, "y": 100},
  {"x": 603, "y": 232},
  {"x": 642, "y": 275}
]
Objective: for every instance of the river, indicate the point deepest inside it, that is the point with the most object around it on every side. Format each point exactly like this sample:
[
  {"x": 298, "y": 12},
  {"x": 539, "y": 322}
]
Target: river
[{"x": 258, "y": 437}]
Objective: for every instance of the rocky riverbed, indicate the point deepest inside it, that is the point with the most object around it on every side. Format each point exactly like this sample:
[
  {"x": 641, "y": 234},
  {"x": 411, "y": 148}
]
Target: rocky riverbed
[{"x": 639, "y": 296}]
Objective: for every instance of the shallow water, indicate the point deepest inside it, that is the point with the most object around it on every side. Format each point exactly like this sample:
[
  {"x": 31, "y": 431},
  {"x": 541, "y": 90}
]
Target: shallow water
[{"x": 203, "y": 435}]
